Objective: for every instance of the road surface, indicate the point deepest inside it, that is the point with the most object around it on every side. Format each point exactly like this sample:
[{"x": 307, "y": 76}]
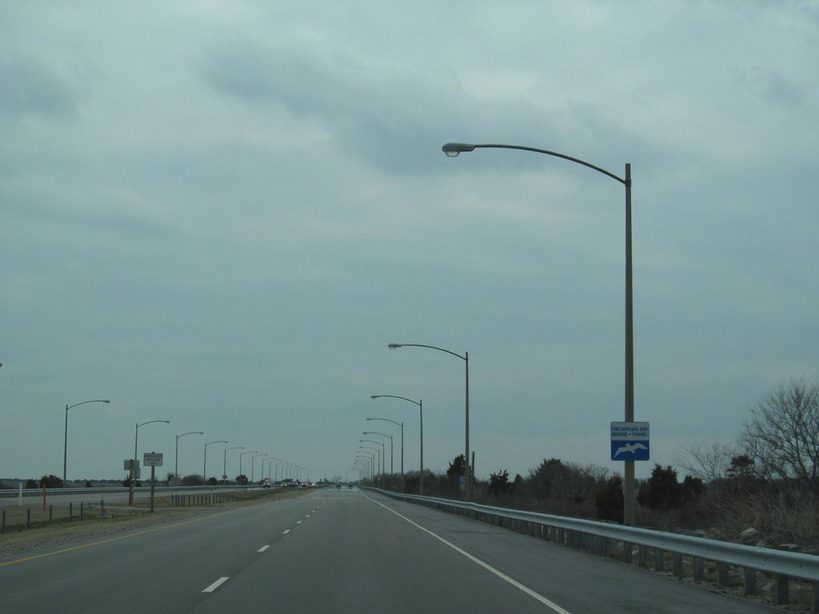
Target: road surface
[{"x": 338, "y": 551}]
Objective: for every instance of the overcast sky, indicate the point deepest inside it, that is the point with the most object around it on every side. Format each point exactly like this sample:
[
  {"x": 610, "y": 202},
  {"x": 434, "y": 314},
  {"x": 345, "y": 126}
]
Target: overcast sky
[{"x": 220, "y": 214}]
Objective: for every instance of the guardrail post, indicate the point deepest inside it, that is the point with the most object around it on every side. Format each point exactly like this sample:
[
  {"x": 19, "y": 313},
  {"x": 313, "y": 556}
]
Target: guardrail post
[
  {"x": 676, "y": 564},
  {"x": 699, "y": 568},
  {"x": 781, "y": 590},
  {"x": 659, "y": 559},
  {"x": 722, "y": 574},
  {"x": 102, "y": 509},
  {"x": 642, "y": 555},
  {"x": 627, "y": 552},
  {"x": 749, "y": 581}
]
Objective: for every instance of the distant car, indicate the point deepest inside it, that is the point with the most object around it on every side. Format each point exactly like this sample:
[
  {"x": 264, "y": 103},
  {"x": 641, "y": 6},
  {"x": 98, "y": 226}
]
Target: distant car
[{"x": 266, "y": 483}]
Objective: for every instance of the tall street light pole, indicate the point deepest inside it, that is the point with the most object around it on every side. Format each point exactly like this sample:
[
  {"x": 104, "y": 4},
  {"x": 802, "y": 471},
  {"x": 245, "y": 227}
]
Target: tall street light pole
[
  {"x": 176, "y": 454},
  {"x": 420, "y": 404},
  {"x": 452, "y": 150},
  {"x": 400, "y": 424},
  {"x": 224, "y": 461},
  {"x": 465, "y": 358},
  {"x": 383, "y": 456},
  {"x": 392, "y": 456},
  {"x": 241, "y": 454},
  {"x": 65, "y": 442},
  {"x": 253, "y": 462},
  {"x": 370, "y": 457},
  {"x": 379, "y": 463},
  {"x": 205, "y": 460},
  {"x": 366, "y": 467},
  {"x": 134, "y": 463}
]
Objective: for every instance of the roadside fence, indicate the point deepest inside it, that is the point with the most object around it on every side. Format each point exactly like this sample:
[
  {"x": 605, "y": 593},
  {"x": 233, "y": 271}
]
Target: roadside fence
[{"x": 19, "y": 518}]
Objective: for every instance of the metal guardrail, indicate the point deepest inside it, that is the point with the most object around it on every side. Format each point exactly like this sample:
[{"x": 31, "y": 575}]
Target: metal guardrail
[{"x": 599, "y": 536}]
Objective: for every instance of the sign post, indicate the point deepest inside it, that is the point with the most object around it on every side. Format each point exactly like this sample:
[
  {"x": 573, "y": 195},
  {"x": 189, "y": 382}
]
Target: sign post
[
  {"x": 152, "y": 460},
  {"x": 131, "y": 465}
]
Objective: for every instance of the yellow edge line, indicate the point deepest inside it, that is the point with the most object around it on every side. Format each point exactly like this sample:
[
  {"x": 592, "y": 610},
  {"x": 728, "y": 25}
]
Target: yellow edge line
[{"x": 109, "y": 540}]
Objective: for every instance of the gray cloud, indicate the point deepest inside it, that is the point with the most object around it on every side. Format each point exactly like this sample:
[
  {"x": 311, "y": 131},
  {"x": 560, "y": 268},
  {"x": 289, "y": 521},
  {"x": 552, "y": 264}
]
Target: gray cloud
[
  {"x": 221, "y": 216},
  {"x": 37, "y": 88}
]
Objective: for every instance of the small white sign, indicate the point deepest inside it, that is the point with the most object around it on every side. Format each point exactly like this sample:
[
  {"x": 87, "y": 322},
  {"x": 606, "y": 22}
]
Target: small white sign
[{"x": 152, "y": 459}]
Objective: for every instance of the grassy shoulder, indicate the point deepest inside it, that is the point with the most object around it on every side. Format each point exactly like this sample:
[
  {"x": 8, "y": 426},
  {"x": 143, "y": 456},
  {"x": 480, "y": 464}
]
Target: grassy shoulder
[{"x": 63, "y": 527}]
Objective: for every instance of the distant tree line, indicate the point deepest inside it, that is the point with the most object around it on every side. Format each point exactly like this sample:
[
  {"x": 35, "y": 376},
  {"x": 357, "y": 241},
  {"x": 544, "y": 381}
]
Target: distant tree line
[{"x": 766, "y": 485}]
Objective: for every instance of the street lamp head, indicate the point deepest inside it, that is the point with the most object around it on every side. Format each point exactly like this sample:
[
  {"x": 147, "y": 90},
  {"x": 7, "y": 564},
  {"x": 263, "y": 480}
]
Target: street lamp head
[{"x": 453, "y": 149}]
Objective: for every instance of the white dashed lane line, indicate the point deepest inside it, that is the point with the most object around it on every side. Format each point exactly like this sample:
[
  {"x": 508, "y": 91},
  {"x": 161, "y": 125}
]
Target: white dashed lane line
[
  {"x": 216, "y": 584},
  {"x": 224, "y": 579}
]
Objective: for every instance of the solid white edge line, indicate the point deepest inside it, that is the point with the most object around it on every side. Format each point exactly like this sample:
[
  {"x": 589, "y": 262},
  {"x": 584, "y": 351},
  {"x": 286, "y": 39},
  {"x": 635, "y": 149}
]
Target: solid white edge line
[
  {"x": 216, "y": 584},
  {"x": 486, "y": 566},
  {"x": 263, "y": 548},
  {"x": 286, "y": 531}
]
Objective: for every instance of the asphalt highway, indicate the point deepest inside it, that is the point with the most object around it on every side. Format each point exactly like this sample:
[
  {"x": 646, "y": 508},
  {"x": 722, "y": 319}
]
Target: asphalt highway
[{"x": 338, "y": 551}]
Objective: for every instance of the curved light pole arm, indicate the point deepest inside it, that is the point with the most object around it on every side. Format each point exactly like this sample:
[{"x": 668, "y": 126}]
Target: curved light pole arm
[
  {"x": 420, "y": 404},
  {"x": 394, "y": 346},
  {"x": 388, "y": 437},
  {"x": 176, "y": 453},
  {"x": 465, "y": 358},
  {"x": 134, "y": 463},
  {"x": 241, "y": 456},
  {"x": 452, "y": 150},
  {"x": 65, "y": 441},
  {"x": 224, "y": 460},
  {"x": 205, "y": 459},
  {"x": 136, "y": 432}
]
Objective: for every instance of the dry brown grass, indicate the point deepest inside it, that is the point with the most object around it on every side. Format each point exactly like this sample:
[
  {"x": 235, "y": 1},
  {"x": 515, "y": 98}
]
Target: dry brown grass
[{"x": 55, "y": 528}]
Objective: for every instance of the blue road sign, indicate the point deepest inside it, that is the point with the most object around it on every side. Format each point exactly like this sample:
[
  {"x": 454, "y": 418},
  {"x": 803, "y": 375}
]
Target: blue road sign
[{"x": 629, "y": 441}]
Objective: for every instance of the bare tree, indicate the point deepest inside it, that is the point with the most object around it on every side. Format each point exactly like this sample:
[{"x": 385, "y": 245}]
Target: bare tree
[
  {"x": 782, "y": 437},
  {"x": 708, "y": 461}
]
